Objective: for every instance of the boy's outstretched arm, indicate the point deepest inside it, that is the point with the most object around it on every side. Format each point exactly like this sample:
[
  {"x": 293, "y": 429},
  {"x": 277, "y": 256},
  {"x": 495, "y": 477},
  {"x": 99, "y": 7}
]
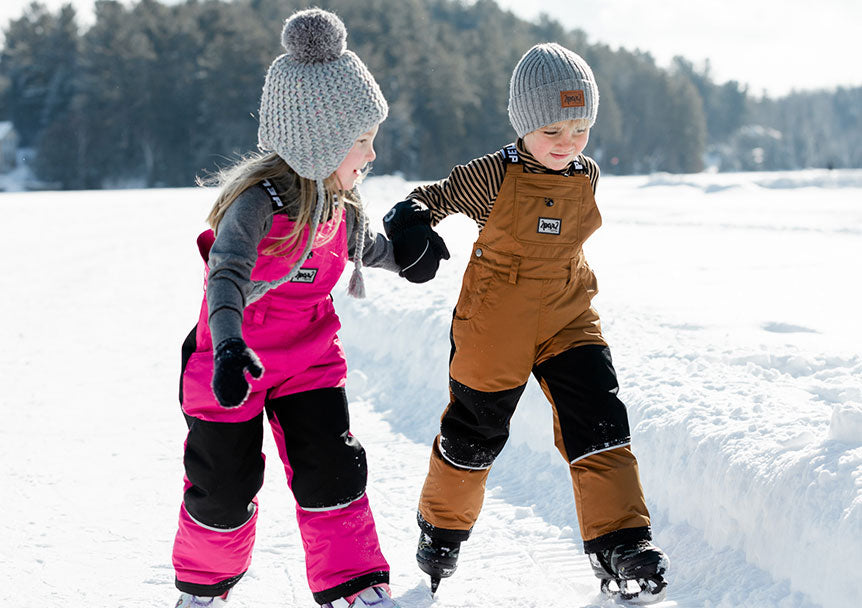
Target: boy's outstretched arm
[
  {"x": 468, "y": 189},
  {"x": 417, "y": 248}
]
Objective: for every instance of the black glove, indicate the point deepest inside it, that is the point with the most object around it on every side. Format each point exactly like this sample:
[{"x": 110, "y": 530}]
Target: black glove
[
  {"x": 417, "y": 248},
  {"x": 232, "y": 359}
]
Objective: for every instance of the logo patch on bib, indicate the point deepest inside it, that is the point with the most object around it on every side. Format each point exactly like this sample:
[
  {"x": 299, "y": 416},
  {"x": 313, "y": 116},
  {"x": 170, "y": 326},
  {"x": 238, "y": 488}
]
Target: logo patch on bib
[
  {"x": 305, "y": 275},
  {"x": 549, "y": 225}
]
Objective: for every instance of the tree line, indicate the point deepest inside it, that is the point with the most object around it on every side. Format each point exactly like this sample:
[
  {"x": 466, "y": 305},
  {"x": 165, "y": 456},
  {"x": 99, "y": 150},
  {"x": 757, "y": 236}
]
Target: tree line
[{"x": 155, "y": 95}]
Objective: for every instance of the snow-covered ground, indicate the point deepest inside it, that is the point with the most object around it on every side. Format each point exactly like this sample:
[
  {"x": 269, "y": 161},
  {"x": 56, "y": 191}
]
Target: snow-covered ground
[{"x": 731, "y": 303}]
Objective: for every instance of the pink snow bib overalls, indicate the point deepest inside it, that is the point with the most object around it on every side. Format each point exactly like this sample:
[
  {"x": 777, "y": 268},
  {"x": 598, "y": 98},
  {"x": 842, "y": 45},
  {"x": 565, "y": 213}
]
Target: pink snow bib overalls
[{"x": 292, "y": 328}]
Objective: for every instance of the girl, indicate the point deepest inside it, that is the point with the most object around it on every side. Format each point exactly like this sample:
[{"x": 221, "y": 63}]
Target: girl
[{"x": 283, "y": 226}]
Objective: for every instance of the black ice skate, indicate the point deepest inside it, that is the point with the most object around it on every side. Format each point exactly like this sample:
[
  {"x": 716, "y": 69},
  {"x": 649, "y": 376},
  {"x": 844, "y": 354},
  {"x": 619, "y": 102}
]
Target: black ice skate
[
  {"x": 634, "y": 572},
  {"x": 438, "y": 558}
]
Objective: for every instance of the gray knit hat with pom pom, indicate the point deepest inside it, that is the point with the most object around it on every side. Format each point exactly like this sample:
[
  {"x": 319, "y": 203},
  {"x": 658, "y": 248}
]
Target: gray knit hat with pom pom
[
  {"x": 318, "y": 97},
  {"x": 551, "y": 84}
]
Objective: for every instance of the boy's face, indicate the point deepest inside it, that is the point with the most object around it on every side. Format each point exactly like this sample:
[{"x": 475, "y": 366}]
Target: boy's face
[{"x": 557, "y": 144}]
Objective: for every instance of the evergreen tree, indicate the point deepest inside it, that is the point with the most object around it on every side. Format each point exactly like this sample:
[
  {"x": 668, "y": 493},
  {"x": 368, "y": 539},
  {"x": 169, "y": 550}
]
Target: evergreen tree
[
  {"x": 156, "y": 94},
  {"x": 685, "y": 124},
  {"x": 236, "y": 50},
  {"x": 38, "y": 63},
  {"x": 725, "y": 106}
]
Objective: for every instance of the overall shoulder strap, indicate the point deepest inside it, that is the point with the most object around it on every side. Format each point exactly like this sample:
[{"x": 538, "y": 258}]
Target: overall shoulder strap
[
  {"x": 512, "y": 159},
  {"x": 277, "y": 203}
]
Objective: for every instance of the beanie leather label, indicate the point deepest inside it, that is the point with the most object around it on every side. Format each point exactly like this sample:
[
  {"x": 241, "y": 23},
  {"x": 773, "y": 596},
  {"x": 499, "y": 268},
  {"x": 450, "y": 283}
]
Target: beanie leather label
[{"x": 572, "y": 99}]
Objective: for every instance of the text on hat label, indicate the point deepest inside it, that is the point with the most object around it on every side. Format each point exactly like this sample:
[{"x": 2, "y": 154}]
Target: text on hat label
[{"x": 572, "y": 99}]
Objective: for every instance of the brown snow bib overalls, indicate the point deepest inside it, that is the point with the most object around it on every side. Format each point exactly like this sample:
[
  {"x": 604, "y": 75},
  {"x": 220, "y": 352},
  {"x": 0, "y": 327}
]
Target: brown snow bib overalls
[{"x": 525, "y": 308}]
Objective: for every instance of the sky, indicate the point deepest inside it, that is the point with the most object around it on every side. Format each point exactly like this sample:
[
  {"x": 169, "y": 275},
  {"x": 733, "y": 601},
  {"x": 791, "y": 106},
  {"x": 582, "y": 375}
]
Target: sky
[{"x": 773, "y": 46}]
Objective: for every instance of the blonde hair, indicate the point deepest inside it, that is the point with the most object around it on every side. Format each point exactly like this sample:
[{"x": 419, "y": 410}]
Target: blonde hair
[
  {"x": 576, "y": 123},
  {"x": 253, "y": 169}
]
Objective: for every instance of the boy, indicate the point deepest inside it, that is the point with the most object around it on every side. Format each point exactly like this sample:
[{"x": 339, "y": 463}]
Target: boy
[{"x": 525, "y": 308}]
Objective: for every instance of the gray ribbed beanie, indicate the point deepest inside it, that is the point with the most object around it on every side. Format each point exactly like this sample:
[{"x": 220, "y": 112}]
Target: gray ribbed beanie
[
  {"x": 318, "y": 97},
  {"x": 550, "y": 84}
]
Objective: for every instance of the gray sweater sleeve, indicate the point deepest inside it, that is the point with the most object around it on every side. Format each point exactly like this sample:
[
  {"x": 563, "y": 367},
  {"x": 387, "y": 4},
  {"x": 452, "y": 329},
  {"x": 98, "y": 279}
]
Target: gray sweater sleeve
[
  {"x": 376, "y": 250},
  {"x": 231, "y": 260}
]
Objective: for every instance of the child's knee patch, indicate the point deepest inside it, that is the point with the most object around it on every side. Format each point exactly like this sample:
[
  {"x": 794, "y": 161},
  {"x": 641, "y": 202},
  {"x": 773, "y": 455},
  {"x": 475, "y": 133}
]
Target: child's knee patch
[{"x": 326, "y": 463}]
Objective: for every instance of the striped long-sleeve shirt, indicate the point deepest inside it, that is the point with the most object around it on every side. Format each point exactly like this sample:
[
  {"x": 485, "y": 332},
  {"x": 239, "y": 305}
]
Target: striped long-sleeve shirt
[{"x": 471, "y": 189}]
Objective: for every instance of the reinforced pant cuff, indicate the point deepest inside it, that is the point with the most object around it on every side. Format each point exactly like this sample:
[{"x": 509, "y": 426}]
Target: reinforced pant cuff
[
  {"x": 352, "y": 586},
  {"x": 617, "y": 537},
  {"x": 208, "y": 590},
  {"x": 442, "y": 533}
]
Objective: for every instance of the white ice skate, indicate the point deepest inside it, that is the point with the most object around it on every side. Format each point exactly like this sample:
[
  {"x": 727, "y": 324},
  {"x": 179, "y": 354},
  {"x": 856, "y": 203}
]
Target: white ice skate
[
  {"x": 375, "y": 597},
  {"x": 197, "y": 601}
]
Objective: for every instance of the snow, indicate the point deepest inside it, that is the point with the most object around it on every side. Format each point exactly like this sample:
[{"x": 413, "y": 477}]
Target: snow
[{"x": 730, "y": 302}]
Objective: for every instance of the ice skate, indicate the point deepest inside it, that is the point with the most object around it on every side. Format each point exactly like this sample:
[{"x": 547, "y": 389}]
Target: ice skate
[
  {"x": 634, "y": 572},
  {"x": 437, "y": 558},
  {"x": 198, "y": 601},
  {"x": 376, "y": 597}
]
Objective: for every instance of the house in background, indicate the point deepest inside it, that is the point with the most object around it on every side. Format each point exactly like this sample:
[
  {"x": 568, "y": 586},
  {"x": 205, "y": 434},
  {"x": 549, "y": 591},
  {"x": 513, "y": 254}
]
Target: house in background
[{"x": 8, "y": 146}]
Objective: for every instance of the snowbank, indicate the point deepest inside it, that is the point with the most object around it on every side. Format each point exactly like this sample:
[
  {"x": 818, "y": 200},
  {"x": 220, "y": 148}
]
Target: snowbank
[{"x": 745, "y": 399}]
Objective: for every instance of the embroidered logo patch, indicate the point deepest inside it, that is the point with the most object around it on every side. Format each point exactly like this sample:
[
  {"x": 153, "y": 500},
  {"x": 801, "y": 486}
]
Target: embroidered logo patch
[
  {"x": 572, "y": 99},
  {"x": 549, "y": 225},
  {"x": 305, "y": 275}
]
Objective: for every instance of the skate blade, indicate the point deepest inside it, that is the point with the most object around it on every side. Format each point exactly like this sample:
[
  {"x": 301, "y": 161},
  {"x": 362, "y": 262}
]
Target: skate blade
[{"x": 635, "y": 592}]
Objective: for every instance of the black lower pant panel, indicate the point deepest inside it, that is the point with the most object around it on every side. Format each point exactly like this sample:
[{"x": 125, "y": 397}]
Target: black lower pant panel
[
  {"x": 475, "y": 427},
  {"x": 224, "y": 464},
  {"x": 188, "y": 347},
  {"x": 328, "y": 463},
  {"x": 583, "y": 386}
]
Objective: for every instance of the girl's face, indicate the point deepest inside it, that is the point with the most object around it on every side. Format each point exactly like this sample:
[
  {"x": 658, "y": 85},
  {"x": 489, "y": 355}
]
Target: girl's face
[
  {"x": 557, "y": 144},
  {"x": 360, "y": 155}
]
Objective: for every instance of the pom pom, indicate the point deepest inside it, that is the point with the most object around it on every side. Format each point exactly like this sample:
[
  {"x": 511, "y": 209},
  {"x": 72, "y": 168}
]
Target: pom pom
[
  {"x": 356, "y": 285},
  {"x": 314, "y": 36}
]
